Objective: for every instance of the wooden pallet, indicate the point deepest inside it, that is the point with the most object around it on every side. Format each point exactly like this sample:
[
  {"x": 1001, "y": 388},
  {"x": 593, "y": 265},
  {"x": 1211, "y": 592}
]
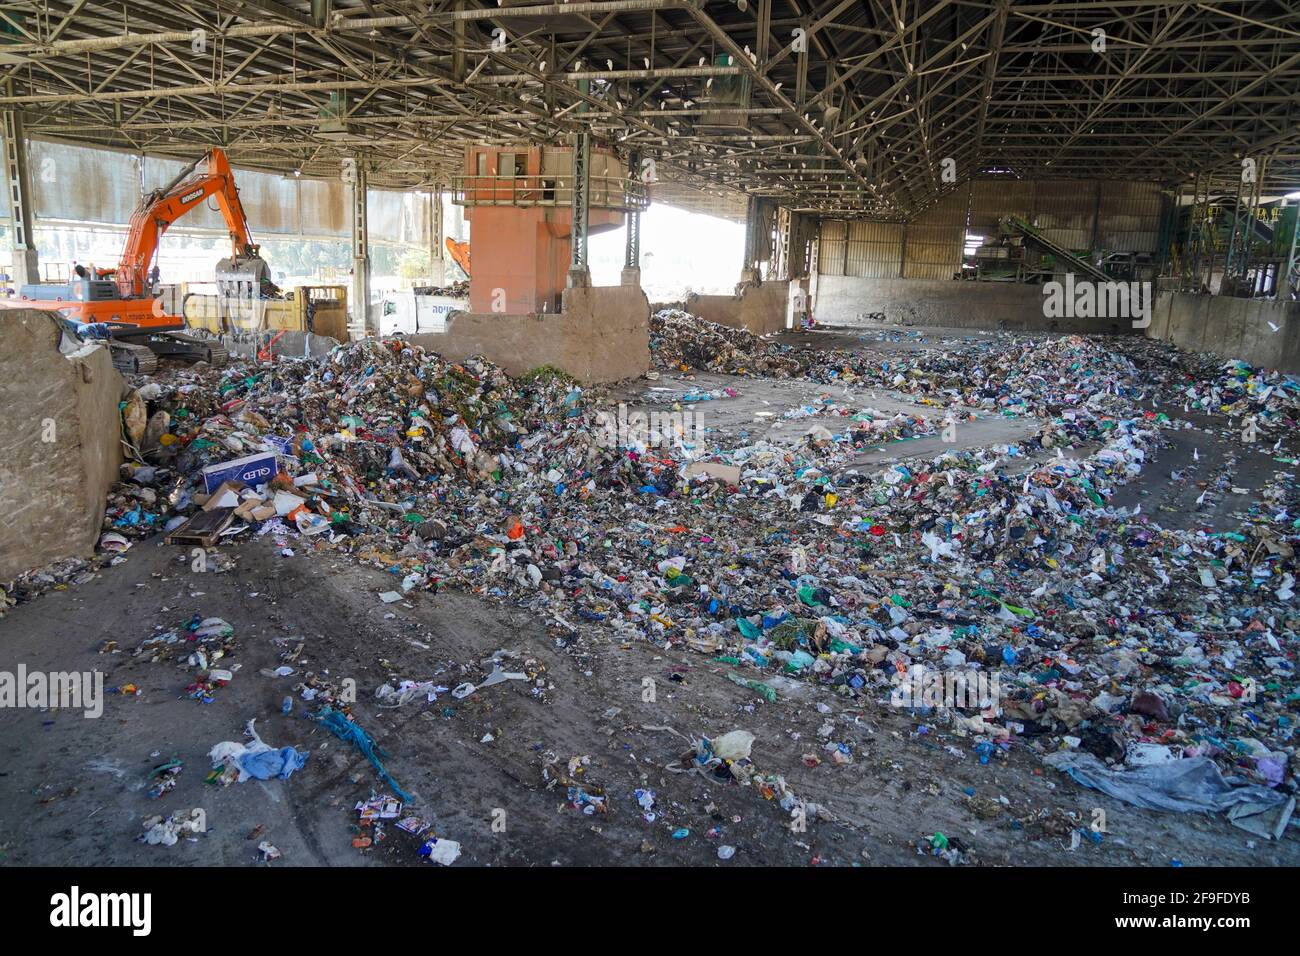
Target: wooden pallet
[{"x": 203, "y": 529}]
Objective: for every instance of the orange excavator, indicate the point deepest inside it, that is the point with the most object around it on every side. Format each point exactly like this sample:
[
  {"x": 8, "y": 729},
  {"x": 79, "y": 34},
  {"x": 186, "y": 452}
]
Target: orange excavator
[
  {"x": 459, "y": 252},
  {"x": 120, "y": 304}
]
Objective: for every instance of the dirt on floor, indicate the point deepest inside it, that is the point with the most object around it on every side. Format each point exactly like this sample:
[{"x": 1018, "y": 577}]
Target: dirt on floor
[{"x": 74, "y": 791}]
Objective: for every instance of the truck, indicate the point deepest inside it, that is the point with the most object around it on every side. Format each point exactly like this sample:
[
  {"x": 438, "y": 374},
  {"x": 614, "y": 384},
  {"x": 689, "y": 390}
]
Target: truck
[
  {"x": 410, "y": 313},
  {"x": 320, "y": 309}
]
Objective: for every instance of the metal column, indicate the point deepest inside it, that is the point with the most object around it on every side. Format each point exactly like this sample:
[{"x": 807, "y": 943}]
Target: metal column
[
  {"x": 753, "y": 220},
  {"x": 579, "y": 274},
  {"x": 18, "y": 182},
  {"x": 355, "y": 176},
  {"x": 435, "y": 224},
  {"x": 1282, "y": 289},
  {"x": 437, "y": 249},
  {"x": 784, "y": 236},
  {"x": 632, "y": 255}
]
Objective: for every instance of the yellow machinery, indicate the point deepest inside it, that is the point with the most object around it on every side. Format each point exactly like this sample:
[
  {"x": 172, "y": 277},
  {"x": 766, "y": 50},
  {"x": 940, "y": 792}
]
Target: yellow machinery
[{"x": 321, "y": 309}]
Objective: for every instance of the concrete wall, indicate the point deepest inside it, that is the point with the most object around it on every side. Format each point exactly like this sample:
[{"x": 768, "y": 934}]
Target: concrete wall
[
  {"x": 1230, "y": 327},
  {"x": 602, "y": 335},
  {"x": 760, "y": 309},
  {"x": 843, "y": 300},
  {"x": 52, "y": 492}
]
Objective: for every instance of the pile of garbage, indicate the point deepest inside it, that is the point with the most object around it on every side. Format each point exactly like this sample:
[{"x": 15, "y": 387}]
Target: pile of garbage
[
  {"x": 457, "y": 290},
  {"x": 199, "y": 645},
  {"x": 1022, "y": 375},
  {"x": 680, "y": 341},
  {"x": 1109, "y": 636}
]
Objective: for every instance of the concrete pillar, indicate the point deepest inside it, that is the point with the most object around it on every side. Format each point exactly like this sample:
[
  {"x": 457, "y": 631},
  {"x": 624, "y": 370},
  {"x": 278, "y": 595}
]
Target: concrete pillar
[
  {"x": 799, "y": 302},
  {"x": 579, "y": 273},
  {"x": 18, "y": 183},
  {"x": 354, "y": 174}
]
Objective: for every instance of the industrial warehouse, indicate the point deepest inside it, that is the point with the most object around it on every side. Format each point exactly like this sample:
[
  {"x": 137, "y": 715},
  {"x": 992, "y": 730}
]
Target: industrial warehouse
[{"x": 651, "y": 434}]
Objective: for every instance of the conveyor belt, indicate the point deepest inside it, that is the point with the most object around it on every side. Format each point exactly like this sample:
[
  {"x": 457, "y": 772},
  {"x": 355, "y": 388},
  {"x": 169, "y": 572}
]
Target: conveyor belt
[{"x": 1075, "y": 264}]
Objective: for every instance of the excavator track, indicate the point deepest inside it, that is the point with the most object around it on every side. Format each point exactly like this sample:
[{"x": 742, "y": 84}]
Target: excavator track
[
  {"x": 202, "y": 350},
  {"x": 130, "y": 359},
  {"x": 138, "y": 355},
  {"x": 217, "y": 355}
]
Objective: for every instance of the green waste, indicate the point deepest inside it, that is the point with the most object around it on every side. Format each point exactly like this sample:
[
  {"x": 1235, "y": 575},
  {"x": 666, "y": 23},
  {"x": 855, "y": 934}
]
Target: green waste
[{"x": 765, "y": 690}]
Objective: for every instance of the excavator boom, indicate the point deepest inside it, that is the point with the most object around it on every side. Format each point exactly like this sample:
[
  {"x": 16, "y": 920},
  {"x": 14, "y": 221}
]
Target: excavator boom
[{"x": 162, "y": 207}]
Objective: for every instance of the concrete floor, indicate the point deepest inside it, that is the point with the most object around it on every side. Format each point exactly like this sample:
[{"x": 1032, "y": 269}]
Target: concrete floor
[{"x": 73, "y": 791}]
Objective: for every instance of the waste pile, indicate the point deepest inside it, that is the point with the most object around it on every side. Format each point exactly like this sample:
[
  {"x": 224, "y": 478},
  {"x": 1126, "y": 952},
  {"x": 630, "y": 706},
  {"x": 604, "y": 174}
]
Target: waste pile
[
  {"x": 1106, "y": 636},
  {"x": 457, "y": 290},
  {"x": 970, "y": 373},
  {"x": 679, "y": 340}
]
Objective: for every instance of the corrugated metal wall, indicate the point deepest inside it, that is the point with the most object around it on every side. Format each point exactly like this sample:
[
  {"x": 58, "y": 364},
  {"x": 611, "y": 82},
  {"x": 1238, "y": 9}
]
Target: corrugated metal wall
[
  {"x": 1065, "y": 211},
  {"x": 1130, "y": 217},
  {"x": 933, "y": 243},
  {"x": 993, "y": 199},
  {"x": 399, "y": 217},
  {"x": 326, "y": 202},
  {"x": 832, "y": 247},
  {"x": 1123, "y": 217},
  {"x": 93, "y": 185},
  {"x": 730, "y": 206},
  {"x": 271, "y": 201},
  {"x": 875, "y": 249}
]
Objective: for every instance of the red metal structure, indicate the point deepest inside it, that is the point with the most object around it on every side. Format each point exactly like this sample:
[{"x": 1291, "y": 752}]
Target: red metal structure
[{"x": 518, "y": 200}]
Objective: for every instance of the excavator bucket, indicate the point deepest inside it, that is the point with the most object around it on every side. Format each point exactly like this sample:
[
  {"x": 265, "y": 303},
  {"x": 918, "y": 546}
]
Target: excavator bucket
[{"x": 238, "y": 274}]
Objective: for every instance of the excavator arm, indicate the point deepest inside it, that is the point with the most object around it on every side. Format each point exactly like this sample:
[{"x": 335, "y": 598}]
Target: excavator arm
[
  {"x": 162, "y": 207},
  {"x": 459, "y": 251}
]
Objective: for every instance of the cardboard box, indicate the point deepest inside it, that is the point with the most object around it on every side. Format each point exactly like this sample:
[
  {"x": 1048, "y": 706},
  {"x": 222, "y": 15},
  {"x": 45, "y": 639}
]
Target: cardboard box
[
  {"x": 226, "y": 496},
  {"x": 729, "y": 474},
  {"x": 251, "y": 470},
  {"x": 255, "y": 509}
]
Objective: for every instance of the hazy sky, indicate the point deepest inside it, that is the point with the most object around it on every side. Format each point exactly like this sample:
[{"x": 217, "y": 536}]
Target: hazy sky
[{"x": 679, "y": 249}]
